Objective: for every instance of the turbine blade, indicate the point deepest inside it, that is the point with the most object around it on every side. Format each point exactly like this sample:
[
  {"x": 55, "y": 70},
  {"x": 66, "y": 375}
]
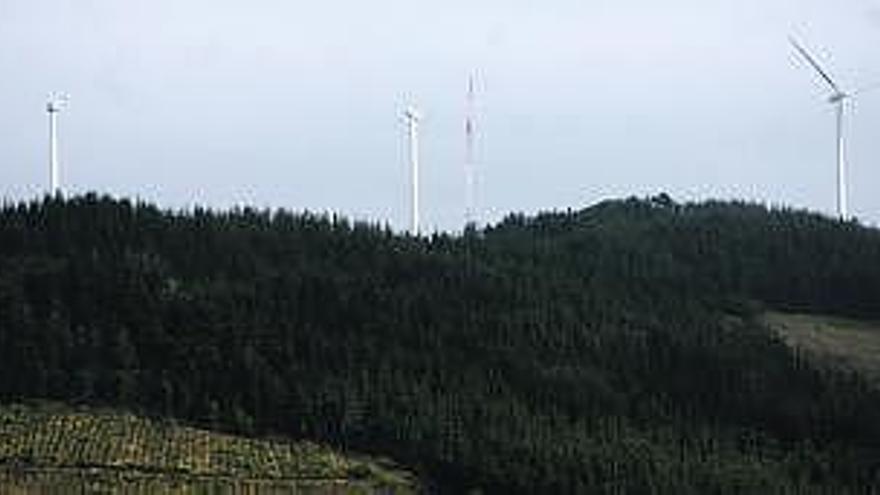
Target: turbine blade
[
  {"x": 867, "y": 89},
  {"x": 804, "y": 53}
]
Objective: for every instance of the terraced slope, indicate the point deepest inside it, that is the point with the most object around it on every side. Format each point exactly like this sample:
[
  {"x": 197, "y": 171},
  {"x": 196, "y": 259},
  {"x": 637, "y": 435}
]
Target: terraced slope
[{"x": 45, "y": 447}]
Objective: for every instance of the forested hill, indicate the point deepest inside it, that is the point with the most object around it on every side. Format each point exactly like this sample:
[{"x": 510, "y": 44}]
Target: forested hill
[
  {"x": 612, "y": 349},
  {"x": 786, "y": 258}
]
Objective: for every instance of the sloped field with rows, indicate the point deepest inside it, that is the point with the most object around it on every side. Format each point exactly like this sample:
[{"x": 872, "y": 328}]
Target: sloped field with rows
[{"x": 50, "y": 445}]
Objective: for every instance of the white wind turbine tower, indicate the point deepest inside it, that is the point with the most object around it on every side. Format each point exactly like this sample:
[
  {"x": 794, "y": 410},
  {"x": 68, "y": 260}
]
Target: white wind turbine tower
[
  {"x": 839, "y": 99},
  {"x": 55, "y": 103},
  {"x": 469, "y": 163},
  {"x": 412, "y": 116}
]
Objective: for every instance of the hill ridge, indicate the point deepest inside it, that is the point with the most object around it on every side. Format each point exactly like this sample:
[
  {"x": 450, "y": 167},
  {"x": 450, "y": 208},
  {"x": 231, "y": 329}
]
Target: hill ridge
[{"x": 618, "y": 347}]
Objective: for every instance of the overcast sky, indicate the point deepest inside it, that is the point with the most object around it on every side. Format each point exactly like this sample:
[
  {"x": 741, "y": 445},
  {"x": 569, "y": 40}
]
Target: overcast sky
[{"x": 297, "y": 104}]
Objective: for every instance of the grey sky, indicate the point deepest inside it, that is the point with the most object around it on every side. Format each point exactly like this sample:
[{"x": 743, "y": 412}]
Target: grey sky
[{"x": 296, "y": 104}]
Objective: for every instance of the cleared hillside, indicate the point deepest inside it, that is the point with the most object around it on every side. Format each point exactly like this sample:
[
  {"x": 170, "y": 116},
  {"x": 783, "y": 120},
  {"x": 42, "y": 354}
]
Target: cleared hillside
[
  {"x": 51, "y": 447},
  {"x": 846, "y": 342}
]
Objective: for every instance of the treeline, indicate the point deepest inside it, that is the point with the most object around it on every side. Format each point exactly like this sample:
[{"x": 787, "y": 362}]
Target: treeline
[{"x": 613, "y": 349}]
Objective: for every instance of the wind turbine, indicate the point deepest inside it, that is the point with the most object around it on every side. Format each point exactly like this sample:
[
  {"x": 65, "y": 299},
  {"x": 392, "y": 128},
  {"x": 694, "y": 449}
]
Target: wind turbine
[
  {"x": 54, "y": 104},
  {"x": 469, "y": 164},
  {"x": 412, "y": 116},
  {"x": 839, "y": 99}
]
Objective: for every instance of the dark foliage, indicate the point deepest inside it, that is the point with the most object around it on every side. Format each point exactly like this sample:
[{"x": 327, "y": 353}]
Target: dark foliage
[{"x": 614, "y": 349}]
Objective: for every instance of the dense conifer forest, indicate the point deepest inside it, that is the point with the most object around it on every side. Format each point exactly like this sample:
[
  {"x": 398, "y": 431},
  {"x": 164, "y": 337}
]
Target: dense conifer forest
[{"x": 614, "y": 349}]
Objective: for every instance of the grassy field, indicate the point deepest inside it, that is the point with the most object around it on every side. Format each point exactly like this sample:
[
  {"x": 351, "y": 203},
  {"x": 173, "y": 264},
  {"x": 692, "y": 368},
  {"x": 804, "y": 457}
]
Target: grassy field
[
  {"x": 853, "y": 344},
  {"x": 50, "y": 448}
]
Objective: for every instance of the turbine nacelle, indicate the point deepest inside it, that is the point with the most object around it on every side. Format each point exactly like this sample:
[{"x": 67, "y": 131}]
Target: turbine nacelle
[
  {"x": 837, "y": 98},
  {"x": 57, "y": 102}
]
